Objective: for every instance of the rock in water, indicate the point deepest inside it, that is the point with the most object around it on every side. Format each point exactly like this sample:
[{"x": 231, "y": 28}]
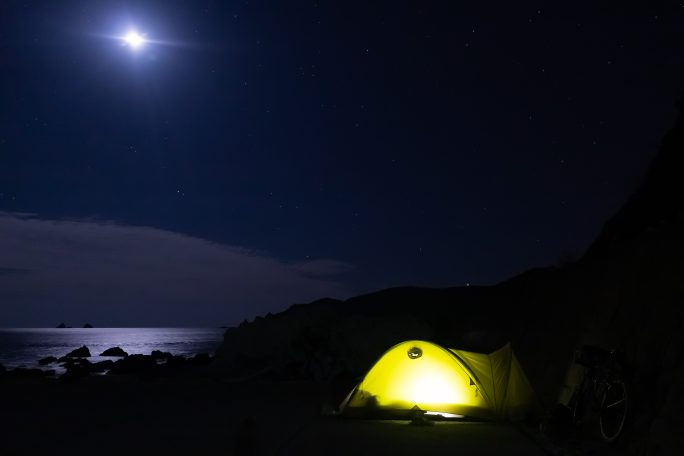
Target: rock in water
[
  {"x": 175, "y": 362},
  {"x": 61, "y": 325},
  {"x": 47, "y": 360},
  {"x": 114, "y": 351},
  {"x": 102, "y": 366},
  {"x": 157, "y": 354},
  {"x": 134, "y": 364},
  {"x": 76, "y": 369},
  {"x": 88, "y": 325},
  {"x": 82, "y": 352},
  {"x": 201, "y": 359}
]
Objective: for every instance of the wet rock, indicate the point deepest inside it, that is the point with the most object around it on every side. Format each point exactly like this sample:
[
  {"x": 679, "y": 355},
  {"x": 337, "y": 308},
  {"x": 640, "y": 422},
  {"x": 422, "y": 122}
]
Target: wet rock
[
  {"x": 88, "y": 325},
  {"x": 200, "y": 359},
  {"x": 114, "y": 351},
  {"x": 47, "y": 360},
  {"x": 74, "y": 362},
  {"x": 156, "y": 354},
  {"x": 23, "y": 372},
  {"x": 175, "y": 362},
  {"x": 61, "y": 326},
  {"x": 81, "y": 352},
  {"x": 102, "y": 366},
  {"x": 133, "y": 364},
  {"x": 77, "y": 369}
]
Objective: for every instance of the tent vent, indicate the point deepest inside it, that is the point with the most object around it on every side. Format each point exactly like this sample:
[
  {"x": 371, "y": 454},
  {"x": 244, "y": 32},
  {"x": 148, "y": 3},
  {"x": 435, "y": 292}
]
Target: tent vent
[{"x": 415, "y": 352}]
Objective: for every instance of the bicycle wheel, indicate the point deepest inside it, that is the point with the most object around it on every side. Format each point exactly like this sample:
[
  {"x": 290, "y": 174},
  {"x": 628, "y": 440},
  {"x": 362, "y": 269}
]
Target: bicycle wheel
[{"x": 613, "y": 411}]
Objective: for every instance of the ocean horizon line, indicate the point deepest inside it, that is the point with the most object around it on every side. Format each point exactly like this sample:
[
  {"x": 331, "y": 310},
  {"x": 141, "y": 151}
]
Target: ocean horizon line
[{"x": 115, "y": 327}]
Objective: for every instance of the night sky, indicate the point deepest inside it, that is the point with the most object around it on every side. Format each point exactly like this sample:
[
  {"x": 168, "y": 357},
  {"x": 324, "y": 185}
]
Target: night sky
[{"x": 254, "y": 154}]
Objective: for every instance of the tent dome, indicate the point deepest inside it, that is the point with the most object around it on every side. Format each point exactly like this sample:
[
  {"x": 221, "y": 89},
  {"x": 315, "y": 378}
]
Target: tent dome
[{"x": 432, "y": 378}]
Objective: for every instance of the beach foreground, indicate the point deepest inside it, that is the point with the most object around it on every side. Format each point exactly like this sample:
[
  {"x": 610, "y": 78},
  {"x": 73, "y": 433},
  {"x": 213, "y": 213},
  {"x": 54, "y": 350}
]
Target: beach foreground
[{"x": 202, "y": 414}]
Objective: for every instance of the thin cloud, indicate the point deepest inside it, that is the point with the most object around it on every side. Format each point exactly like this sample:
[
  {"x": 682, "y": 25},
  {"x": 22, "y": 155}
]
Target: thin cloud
[
  {"x": 10, "y": 271},
  {"x": 113, "y": 274}
]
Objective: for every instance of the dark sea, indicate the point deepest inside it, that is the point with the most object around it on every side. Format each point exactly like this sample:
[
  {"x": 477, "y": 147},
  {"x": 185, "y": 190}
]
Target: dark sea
[{"x": 25, "y": 346}]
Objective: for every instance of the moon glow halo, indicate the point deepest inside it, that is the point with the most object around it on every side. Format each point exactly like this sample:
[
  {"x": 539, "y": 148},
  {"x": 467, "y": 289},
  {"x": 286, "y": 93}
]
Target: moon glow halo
[{"x": 134, "y": 39}]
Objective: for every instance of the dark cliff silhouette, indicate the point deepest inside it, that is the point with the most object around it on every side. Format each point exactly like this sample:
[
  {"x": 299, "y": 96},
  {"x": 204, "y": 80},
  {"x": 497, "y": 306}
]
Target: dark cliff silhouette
[{"x": 634, "y": 279}]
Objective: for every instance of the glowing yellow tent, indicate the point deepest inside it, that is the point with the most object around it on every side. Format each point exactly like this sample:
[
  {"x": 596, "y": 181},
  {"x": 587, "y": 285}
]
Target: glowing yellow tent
[{"x": 444, "y": 381}]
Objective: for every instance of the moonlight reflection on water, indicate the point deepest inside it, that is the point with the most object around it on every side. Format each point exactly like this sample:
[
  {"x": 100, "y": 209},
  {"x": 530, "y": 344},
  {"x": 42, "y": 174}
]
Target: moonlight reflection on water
[{"x": 25, "y": 346}]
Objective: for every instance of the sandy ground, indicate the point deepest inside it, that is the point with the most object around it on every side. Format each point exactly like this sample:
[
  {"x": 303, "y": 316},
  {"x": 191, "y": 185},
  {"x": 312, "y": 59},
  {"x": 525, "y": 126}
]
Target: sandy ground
[
  {"x": 344, "y": 437},
  {"x": 209, "y": 416}
]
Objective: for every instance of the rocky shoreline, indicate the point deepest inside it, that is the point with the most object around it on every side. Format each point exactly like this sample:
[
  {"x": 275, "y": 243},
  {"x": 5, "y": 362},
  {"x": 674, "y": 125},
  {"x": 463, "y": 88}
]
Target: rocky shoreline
[{"x": 76, "y": 364}]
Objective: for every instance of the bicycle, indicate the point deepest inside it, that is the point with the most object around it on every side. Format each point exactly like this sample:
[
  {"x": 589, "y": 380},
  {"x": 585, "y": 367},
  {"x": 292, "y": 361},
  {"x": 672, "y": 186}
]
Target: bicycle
[{"x": 600, "y": 402}]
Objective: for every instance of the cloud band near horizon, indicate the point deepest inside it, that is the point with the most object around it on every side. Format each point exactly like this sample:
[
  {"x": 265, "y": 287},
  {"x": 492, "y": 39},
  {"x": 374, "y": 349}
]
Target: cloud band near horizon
[{"x": 111, "y": 274}]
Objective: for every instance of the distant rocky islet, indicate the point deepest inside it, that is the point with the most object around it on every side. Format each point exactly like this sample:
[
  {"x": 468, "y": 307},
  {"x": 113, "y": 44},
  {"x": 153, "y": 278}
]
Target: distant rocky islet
[{"x": 64, "y": 326}]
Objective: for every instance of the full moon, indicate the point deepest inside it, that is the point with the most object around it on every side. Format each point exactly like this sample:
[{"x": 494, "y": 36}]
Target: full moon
[{"x": 134, "y": 39}]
